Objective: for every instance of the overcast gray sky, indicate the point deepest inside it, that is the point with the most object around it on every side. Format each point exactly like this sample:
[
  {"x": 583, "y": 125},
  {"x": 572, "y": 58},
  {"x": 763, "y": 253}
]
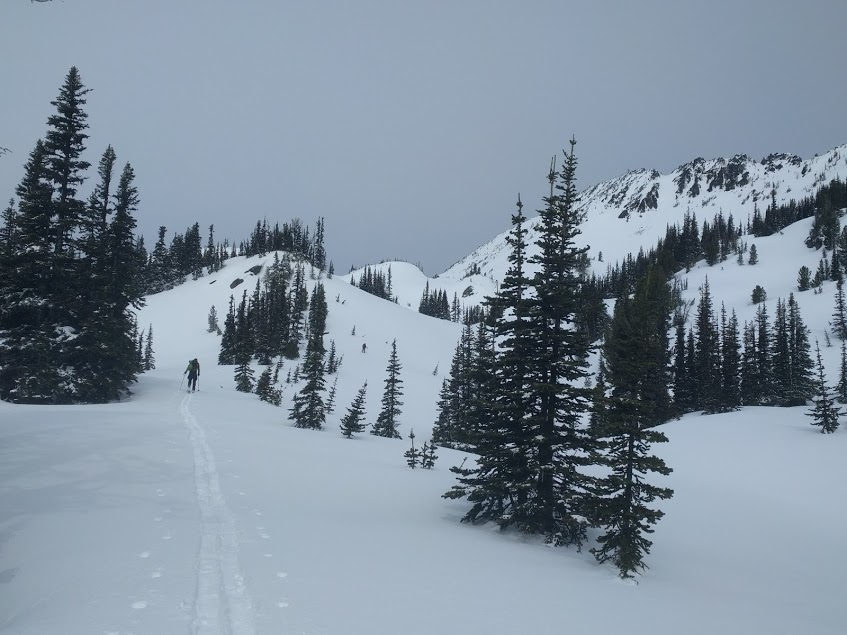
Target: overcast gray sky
[{"x": 412, "y": 126}]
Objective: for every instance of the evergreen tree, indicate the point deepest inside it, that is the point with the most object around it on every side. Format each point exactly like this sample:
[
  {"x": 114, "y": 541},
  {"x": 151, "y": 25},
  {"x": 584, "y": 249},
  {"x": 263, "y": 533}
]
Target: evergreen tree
[
  {"x": 841, "y": 388},
  {"x": 243, "y": 374},
  {"x": 442, "y": 429},
  {"x": 754, "y": 256},
  {"x": 497, "y": 486},
  {"x": 730, "y": 388},
  {"x": 213, "y": 321},
  {"x": 388, "y": 418},
  {"x": 412, "y": 455},
  {"x": 759, "y": 294},
  {"x": 28, "y": 302},
  {"x": 781, "y": 356},
  {"x": 839, "y": 316},
  {"x": 228, "y": 339},
  {"x": 308, "y": 407},
  {"x": 428, "y": 455},
  {"x": 683, "y": 401},
  {"x": 825, "y": 413},
  {"x": 634, "y": 351},
  {"x": 804, "y": 278},
  {"x": 263, "y": 385},
  {"x": 707, "y": 354},
  {"x": 353, "y": 422},
  {"x": 330, "y": 399},
  {"x": 542, "y": 489},
  {"x": 102, "y": 355},
  {"x": 149, "y": 358},
  {"x": 801, "y": 387},
  {"x": 751, "y": 379},
  {"x": 64, "y": 144}
]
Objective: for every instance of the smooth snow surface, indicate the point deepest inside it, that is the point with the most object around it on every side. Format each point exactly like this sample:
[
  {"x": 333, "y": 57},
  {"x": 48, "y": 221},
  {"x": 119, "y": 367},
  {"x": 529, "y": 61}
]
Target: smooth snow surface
[{"x": 209, "y": 513}]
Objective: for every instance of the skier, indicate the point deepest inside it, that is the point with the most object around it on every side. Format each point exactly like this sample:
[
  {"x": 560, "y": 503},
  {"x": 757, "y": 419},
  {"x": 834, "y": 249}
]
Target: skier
[
  {"x": 193, "y": 371},
  {"x": 364, "y": 347}
]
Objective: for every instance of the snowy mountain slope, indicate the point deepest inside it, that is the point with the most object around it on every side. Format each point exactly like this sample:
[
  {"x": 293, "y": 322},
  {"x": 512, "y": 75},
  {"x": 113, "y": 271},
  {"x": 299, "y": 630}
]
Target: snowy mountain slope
[
  {"x": 632, "y": 211},
  {"x": 209, "y": 513},
  {"x": 178, "y": 317}
]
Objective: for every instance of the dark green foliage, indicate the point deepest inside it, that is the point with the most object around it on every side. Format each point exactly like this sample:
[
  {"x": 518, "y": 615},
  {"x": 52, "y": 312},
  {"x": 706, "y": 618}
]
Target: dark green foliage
[
  {"x": 308, "y": 409},
  {"x": 318, "y": 311},
  {"x": 213, "y": 321},
  {"x": 759, "y": 294},
  {"x": 801, "y": 385},
  {"x": 330, "y": 399},
  {"x": 332, "y": 360},
  {"x": 804, "y": 279},
  {"x": 839, "y": 315},
  {"x": 149, "y": 360},
  {"x": 754, "y": 256},
  {"x": 264, "y": 385},
  {"x": 634, "y": 351},
  {"x": 729, "y": 397},
  {"x": 70, "y": 275},
  {"x": 428, "y": 455},
  {"x": 435, "y": 304},
  {"x": 389, "y": 416},
  {"x": 707, "y": 356},
  {"x": 244, "y": 375},
  {"x": 374, "y": 282},
  {"x": 841, "y": 388},
  {"x": 528, "y": 473},
  {"x": 682, "y": 371},
  {"x": 353, "y": 422},
  {"x": 752, "y": 387},
  {"x": 412, "y": 455},
  {"x": 824, "y": 413}
]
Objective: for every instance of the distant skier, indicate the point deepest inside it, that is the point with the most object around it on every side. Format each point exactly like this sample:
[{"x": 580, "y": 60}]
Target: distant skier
[
  {"x": 193, "y": 371},
  {"x": 364, "y": 347}
]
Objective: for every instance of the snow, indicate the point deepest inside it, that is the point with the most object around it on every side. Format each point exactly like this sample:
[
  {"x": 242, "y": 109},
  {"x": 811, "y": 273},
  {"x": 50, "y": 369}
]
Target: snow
[{"x": 208, "y": 512}]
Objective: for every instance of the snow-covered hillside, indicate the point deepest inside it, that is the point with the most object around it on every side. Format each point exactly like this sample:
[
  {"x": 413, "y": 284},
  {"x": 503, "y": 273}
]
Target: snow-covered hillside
[
  {"x": 633, "y": 210},
  {"x": 209, "y": 513}
]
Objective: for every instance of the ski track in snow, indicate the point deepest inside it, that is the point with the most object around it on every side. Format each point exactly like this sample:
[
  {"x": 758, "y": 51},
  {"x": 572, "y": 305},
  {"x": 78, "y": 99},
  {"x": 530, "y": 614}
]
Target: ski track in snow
[{"x": 222, "y": 604}]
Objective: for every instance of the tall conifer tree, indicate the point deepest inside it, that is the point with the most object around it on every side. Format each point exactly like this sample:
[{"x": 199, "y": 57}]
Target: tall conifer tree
[
  {"x": 634, "y": 352},
  {"x": 389, "y": 416}
]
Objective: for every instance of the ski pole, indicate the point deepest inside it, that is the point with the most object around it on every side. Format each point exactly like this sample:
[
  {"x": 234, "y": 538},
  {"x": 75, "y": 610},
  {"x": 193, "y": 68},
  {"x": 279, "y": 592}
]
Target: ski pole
[{"x": 182, "y": 382}]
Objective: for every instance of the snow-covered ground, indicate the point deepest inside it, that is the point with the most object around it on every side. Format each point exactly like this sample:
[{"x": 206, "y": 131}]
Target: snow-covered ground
[{"x": 208, "y": 513}]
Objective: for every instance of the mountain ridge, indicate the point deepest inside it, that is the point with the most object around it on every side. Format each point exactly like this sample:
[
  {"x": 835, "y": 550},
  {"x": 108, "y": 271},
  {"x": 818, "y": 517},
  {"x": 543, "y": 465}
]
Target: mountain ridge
[{"x": 632, "y": 211}]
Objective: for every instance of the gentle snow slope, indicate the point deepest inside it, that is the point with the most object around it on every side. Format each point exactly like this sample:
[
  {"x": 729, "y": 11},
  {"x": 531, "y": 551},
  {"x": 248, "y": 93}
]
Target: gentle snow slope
[{"x": 209, "y": 513}]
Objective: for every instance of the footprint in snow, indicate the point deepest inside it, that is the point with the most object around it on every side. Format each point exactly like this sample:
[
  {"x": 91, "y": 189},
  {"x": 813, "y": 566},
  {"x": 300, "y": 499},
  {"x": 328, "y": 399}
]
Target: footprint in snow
[
  {"x": 156, "y": 573},
  {"x": 281, "y": 574},
  {"x": 139, "y": 605},
  {"x": 282, "y": 604},
  {"x": 265, "y": 536},
  {"x": 144, "y": 554}
]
